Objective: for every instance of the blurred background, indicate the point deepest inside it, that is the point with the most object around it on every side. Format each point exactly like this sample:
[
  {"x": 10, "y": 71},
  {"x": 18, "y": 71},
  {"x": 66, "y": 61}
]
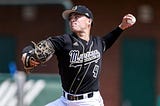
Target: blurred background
[{"x": 131, "y": 68}]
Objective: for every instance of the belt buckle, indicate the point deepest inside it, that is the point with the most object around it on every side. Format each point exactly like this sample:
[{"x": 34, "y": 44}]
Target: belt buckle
[{"x": 72, "y": 97}]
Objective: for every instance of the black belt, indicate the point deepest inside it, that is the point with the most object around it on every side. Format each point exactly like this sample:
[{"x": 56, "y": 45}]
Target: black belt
[{"x": 77, "y": 97}]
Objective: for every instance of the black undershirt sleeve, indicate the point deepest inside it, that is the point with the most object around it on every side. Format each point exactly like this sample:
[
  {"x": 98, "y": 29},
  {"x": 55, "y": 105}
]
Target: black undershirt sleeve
[{"x": 111, "y": 37}]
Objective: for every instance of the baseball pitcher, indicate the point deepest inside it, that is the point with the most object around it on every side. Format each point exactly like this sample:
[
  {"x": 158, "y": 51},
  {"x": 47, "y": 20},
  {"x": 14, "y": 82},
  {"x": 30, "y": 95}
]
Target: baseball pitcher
[{"x": 79, "y": 57}]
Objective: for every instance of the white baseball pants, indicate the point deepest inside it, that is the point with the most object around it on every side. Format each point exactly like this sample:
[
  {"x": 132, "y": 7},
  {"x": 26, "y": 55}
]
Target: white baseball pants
[{"x": 96, "y": 100}]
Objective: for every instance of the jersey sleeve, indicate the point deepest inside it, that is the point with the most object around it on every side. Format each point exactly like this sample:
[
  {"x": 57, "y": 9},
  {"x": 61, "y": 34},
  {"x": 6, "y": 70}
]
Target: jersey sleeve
[
  {"x": 111, "y": 37},
  {"x": 57, "y": 42}
]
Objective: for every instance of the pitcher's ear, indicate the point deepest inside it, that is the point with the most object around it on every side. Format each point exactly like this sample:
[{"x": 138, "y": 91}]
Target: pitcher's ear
[{"x": 90, "y": 21}]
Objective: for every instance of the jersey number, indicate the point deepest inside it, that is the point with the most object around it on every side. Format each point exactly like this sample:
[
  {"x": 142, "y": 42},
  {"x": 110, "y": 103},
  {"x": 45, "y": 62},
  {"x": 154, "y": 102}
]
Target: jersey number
[{"x": 95, "y": 71}]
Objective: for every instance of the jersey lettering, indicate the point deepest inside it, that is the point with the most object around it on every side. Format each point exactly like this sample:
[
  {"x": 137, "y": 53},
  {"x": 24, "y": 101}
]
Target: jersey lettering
[{"x": 76, "y": 59}]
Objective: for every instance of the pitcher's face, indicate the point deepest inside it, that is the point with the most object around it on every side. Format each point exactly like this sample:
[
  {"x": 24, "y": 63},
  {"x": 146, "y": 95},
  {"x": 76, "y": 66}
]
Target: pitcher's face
[{"x": 78, "y": 22}]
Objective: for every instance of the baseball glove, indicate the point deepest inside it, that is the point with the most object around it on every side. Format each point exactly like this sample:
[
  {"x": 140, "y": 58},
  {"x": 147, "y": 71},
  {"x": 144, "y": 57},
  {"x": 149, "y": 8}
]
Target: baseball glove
[{"x": 40, "y": 53}]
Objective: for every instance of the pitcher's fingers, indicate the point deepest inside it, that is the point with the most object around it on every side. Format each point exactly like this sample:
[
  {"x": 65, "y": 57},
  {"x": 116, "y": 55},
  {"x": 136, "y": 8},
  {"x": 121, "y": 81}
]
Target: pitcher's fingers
[{"x": 34, "y": 63}]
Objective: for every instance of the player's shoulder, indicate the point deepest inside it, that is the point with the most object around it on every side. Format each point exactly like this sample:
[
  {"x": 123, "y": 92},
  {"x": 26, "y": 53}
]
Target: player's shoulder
[{"x": 96, "y": 37}]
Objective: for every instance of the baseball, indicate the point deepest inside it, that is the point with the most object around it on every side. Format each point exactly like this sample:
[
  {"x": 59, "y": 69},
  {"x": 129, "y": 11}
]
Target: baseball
[{"x": 132, "y": 20}]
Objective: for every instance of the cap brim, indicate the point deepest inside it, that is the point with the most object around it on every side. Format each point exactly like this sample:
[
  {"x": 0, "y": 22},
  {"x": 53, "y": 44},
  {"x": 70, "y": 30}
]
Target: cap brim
[{"x": 66, "y": 13}]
